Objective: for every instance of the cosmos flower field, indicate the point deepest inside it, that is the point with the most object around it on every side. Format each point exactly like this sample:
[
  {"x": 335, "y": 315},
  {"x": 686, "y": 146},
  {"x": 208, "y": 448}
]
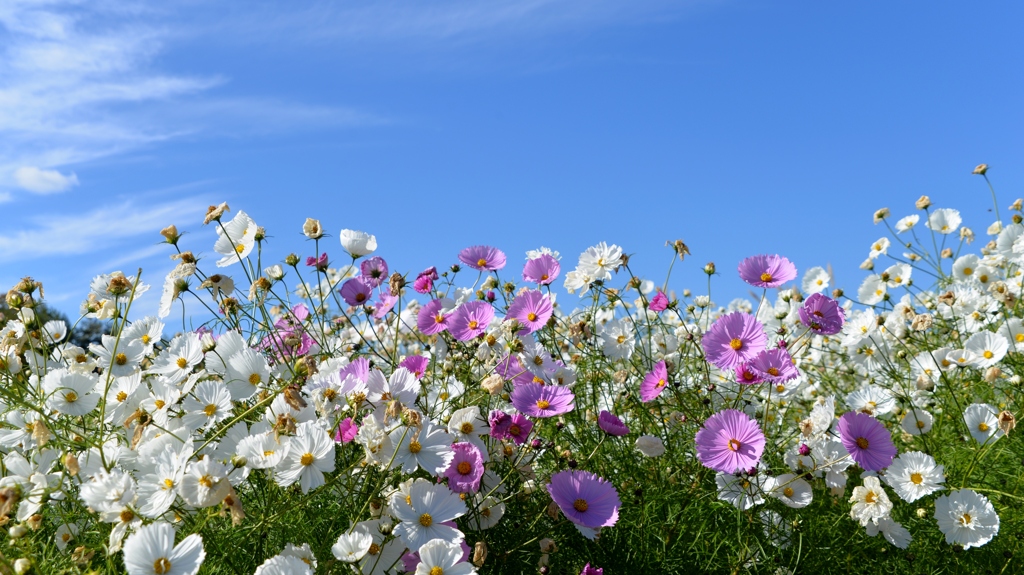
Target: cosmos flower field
[{"x": 524, "y": 413}]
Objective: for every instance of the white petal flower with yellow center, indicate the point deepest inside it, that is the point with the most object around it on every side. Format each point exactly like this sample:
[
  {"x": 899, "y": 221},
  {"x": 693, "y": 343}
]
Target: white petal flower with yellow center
[{"x": 151, "y": 551}]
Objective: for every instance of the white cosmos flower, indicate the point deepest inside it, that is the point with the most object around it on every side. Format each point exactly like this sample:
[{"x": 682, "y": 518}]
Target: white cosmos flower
[
  {"x": 906, "y": 223},
  {"x": 151, "y": 551},
  {"x": 351, "y": 547},
  {"x": 310, "y": 455},
  {"x": 879, "y": 248},
  {"x": 284, "y": 565},
  {"x": 650, "y": 445},
  {"x": 966, "y": 518},
  {"x": 982, "y": 422},
  {"x": 944, "y": 220},
  {"x": 439, "y": 556},
  {"x": 263, "y": 451},
  {"x": 892, "y": 531},
  {"x": 205, "y": 483},
  {"x": 424, "y": 513},
  {"x": 235, "y": 239},
  {"x": 816, "y": 280},
  {"x": 70, "y": 393},
  {"x": 599, "y": 261},
  {"x": 744, "y": 492},
  {"x": 917, "y": 422},
  {"x": 873, "y": 400},
  {"x": 913, "y": 475},
  {"x": 356, "y": 243},
  {"x": 66, "y": 533},
  {"x": 988, "y": 348},
  {"x": 247, "y": 373},
  {"x": 869, "y": 501},
  {"x": 872, "y": 290},
  {"x": 792, "y": 490}
]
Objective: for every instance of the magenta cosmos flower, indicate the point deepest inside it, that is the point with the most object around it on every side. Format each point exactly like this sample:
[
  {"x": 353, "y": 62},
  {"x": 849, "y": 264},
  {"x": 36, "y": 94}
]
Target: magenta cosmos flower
[
  {"x": 733, "y": 339},
  {"x": 470, "y": 320},
  {"x": 822, "y": 315},
  {"x": 538, "y": 400},
  {"x": 416, "y": 364},
  {"x": 432, "y": 318},
  {"x": 425, "y": 280},
  {"x": 654, "y": 382},
  {"x": 346, "y": 432},
  {"x": 483, "y": 258},
  {"x": 774, "y": 365},
  {"x": 659, "y": 302},
  {"x": 374, "y": 270},
  {"x": 466, "y": 469},
  {"x": 541, "y": 270},
  {"x": 588, "y": 570},
  {"x": 866, "y": 440},
  {"x": 532, "y": 309},
  {"x": 746, "y": 375},
  {"x": 767, "y": 271},
  {"x": 729, "y": 441},
  {"x": 585, "y": 498},
  {"x": 356, "y": 292},
  {"x": 611, "y": 425}
]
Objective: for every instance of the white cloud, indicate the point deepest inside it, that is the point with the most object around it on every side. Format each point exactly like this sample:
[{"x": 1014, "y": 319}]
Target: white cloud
[
  {"x": 110, "y": 230},
  {"x": 44, "y": 181}
]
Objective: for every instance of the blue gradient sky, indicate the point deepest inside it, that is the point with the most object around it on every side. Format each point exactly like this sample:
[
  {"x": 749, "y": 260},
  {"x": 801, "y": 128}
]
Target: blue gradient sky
[{"x": 739, "y": 127}]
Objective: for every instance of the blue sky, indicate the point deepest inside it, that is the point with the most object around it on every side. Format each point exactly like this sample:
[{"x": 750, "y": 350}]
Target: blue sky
[{"x": 739, "y": 127}]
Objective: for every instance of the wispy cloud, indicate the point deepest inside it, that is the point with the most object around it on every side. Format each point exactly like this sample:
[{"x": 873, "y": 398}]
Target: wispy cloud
[
  {"x": 459, "y": 20},
  {"x": 95, "y": 232},
  {"x": 40, "y": 181}
]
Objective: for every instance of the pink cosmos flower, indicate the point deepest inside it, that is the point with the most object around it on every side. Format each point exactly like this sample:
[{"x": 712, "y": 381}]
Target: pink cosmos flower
[
  {"x": 774, "y": 365},
  {"x": 510, "y": 368},
  {"x": 822, "y": 315},
  {"x": 585, "y": 498},
  {"x": 654, "y": 383},
  {"x": 867, "y": 441},
  {"x": 470, "y": 320},
  {"x": 347, "y": 430},
  {"x": 519, "y": 428},
  {"x": 767, "y": 271},
  {"x": 541, "y": 270},
  {"x": 733, "y": 339},
  {"x": 532, "y": 309},
  {"x": 659, "y": 302},
  {"x": 538, "y": 400},
  {"x": 432, "y": 318},
  {"x": 374, "y": 270},
  {"x": 416, "y": 364},
  {"x": 483, "y": 258},
  {"x": 588, "y": 570},
  {"x": 359, "y": 369},
  {"x": 466, "y": 469},
  {"x": 746, "y": 375},
  {"x": 319, "y": 263},
  {"x": 356, "y": 292},
  {"x": 729, "y": 441},
  {"x": 425, "y": 280},
  {"x": 384, "y": 304},
  {"x": 611, "y": 425}
]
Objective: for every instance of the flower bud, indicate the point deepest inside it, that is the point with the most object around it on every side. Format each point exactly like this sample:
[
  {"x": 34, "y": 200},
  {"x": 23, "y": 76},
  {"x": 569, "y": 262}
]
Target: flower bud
[
  {"x": 923, "y": 203},
  {"x": 171, "y": 235},
  {"x": 709, "y": 268},
  {"x": 881, "y": 215},
  {"x": 980, "y": 169},
  {"x": 312, "y": 229}
]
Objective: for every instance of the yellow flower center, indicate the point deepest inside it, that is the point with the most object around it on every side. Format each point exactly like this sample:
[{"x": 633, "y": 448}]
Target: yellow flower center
[
  {"x": 168, "y": 484},
  {"x": 70, "y": 397},
  {"x": 736, "y": 344},
  {"x": 870, "y": 497},
  {"x": 120, "y": 359},
  {"x": 788, "y": 492},
  {"x": 916, "y": 478},
  {"x": 513, "y": 430},
  {"x": 159, "y": 403},
  {"x": 920, "y": 424},
  {"x": 481, "y": 262},
  {"x": 473, "y": 324},
  {"x": 268, "y": 453},
  {"x": 145, "y": 338},
  {"x": 255, "y": 379},
  {"x": 773, "y": 371},
  {"x": 206, "y": 481},
  {"x": 374, "y": 549},
  {"x": 988, "y": 354},
  {"x": 439, "y": 318},
  {"x": 182, "y": 362},
  {"x": 306, "y": 459},
  {"x": 982, "y": 426},
  {"x": 466, "y": 427},
  {"x": 161, "y": 566},
  {"x": 426, "y": 520},
  {"x": 580, "y": 505},
  {"x": 735, "y": 445},
  {"x": 121, "y": 396},
  {"x": 126, "y": 516},
  {"x": 965, "y": 519},
  {"x": 543, "y": 403},
  {"x": 968, "y": 271},
  {"x": 661, "y": 382},
  {"x": 209, "y": 410},
  {"x": 862, "y": 443},
  {"x": 436, "y": 570},
  {"x": 465, "y": 467},
  {"x": 415, "y": 447},
  {"x": 766, "y": 277},
  {"x": 531, "y": 316}
]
